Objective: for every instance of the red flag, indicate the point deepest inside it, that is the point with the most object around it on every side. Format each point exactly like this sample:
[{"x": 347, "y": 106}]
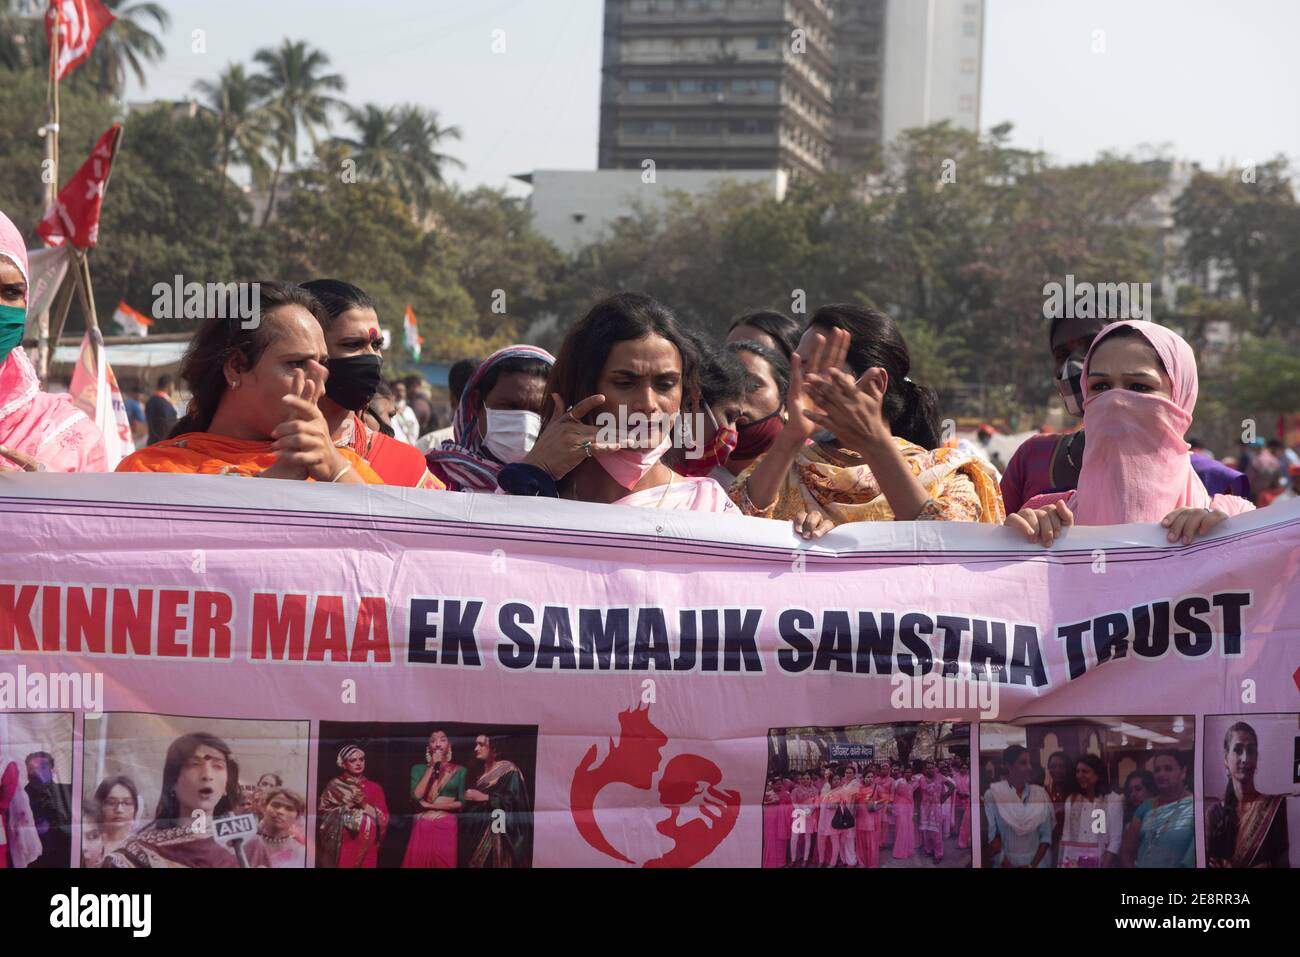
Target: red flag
[
  {"x": 80, "y": 24},
  {"x": 74, "y": 217}
]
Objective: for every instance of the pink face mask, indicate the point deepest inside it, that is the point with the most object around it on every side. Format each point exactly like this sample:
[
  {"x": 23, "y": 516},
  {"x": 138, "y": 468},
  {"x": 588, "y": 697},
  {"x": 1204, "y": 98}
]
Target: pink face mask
[
  {"x": 1135, "y": 465},
  {"x": 629, "y": 466}
]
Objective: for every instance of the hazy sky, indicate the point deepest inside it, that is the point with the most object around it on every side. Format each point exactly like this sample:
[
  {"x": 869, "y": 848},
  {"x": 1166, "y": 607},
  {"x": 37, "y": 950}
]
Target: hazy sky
[{"x": 1214, "y": 80}]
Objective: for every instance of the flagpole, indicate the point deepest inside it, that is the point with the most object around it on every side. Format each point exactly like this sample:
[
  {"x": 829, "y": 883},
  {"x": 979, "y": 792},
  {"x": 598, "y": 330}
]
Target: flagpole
[{"x": 50, "y": 174}]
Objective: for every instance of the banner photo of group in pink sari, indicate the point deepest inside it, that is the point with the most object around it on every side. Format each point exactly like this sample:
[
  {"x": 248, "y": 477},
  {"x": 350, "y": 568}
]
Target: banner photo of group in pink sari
[
  {"x": 170, "y": 791},
  {"x": 1088, "y": 792},
  {"x": 881, "y": 795},
  {"x": 425, "y": 795},
  {"x": 1250, "y": 767}
]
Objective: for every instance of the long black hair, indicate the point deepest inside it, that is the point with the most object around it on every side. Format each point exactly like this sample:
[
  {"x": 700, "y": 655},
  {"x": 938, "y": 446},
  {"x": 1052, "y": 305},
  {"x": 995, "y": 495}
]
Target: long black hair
[
  {"x": 778, "y": 363},
  {"x": 875, "y": 341},
  {"x": 623, "y": 317},
  {"x": 1224, "y": 832},
  {"x": 785, "y": 332},
  {"x": 337, "y": 297},
  {"x": 218, "y": 340},
  {"x": 178, "y": 752}
]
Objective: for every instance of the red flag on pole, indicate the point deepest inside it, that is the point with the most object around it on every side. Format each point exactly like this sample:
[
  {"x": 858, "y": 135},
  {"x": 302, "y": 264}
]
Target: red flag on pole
[
  {"x": 80, "y": 22},
  {"x": 74, "y": 217}
]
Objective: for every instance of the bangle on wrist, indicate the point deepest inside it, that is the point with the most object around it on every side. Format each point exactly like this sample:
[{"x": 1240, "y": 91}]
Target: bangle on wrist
[{"x": 347, "y": 467}]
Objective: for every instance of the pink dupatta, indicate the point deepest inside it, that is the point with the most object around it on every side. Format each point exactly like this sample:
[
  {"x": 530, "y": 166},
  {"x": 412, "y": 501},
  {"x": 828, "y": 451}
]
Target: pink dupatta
[
  {"x": 47, "y": 427},
  {"x": 1136, "y": 464}
]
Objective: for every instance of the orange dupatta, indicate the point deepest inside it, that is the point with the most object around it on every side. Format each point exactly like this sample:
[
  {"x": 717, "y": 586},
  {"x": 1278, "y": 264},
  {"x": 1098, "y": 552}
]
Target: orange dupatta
[{"x": 203, "y": 453}]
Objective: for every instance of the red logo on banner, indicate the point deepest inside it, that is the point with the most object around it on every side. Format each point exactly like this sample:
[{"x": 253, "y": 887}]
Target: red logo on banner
[
  {"x": 633, "y": 760},
  {"x": 74, "y": 217},
  {"x": 80, "y": 24}
]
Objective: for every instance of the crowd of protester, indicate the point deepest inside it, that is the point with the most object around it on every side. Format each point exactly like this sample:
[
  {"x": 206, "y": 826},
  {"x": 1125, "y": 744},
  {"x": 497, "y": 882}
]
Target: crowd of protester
[{"x": 817, "y": 424}]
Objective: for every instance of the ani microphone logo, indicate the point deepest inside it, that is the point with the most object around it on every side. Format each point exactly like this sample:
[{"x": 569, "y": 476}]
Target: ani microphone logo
[{"x": 688, "y": 783}]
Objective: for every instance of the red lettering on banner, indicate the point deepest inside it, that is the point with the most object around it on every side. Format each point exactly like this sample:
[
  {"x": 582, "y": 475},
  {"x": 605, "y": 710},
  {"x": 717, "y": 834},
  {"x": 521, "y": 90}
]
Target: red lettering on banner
[
  {"x": 50, "y": 618},
  {"x": 213, "y": 613},
  {"x": 370, "y": 637},
  {"x": 171, "y": 622},
  {"x": 278, "y": 629},
  {"x": 132, "y": 623},
  {"x": 87, "y": 620},
  {"x": 329, "y": 631},
  {"x": 16, "y": 617}
]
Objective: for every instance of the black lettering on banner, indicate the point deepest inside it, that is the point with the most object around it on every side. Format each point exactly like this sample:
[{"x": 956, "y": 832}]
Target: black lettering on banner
[
  {"x": 953, "y": 628},
  {"x": 799, "y": 656},
  {"x": 836, "y": 644},
  {"x": 509, "y": 618},
  {"x": 740, "y": 639},
  {"x": 1198, "y": 640},
  {"x": 1232, "y": 603},
  {"x": 1110, "y": 636},
  {"x": 710, "y": 638},
  {"x": 685, "y": 660},
  {"x": 1151, "y": 631},
  {"x": 988, "y": 649},
  {"x": 556, "y": 640},
  {"x": 651, "y": 644},
  {"x": 877, "y": 641},
  {"x": 1072, "y": 635},
  {"x": 1026, "y": 664},
  {"x": 603, "y": 640},
  {"x": 911, "y": 628}
]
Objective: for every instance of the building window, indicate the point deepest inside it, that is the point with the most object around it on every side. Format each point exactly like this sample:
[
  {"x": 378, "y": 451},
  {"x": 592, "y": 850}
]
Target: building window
[
  {"x": 647, "y": 127},
  {"x": 971, "y": 10},
  {"x": 968, "y": 64},
  {"x": 763, "y": 43},
  {"x": 969, "y": 28},
  {"x": 647, "y": 86},
  {"x": 966, "y": 104}
]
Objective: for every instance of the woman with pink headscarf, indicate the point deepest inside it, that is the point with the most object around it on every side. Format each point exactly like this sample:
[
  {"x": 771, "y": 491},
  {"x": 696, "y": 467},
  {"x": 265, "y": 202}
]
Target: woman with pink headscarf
[
  {"x": 1140, "y": 385},
  {"x": 38, "y": 431}
]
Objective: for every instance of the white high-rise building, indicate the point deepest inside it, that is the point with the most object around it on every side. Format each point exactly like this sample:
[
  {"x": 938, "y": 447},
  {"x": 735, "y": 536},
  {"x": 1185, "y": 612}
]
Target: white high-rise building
[{"x": 932, "y": 64}]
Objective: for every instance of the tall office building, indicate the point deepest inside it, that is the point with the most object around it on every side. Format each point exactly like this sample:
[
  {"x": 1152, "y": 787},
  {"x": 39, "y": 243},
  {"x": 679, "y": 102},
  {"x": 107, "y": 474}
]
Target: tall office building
[
  {"x": 717, "y": 84},
  {"x": 797, "y": 85}
]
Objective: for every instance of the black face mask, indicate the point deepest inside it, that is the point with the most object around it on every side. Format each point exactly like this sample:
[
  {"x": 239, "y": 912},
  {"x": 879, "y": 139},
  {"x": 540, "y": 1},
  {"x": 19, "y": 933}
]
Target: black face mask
[{"x": 353, "y": 381}]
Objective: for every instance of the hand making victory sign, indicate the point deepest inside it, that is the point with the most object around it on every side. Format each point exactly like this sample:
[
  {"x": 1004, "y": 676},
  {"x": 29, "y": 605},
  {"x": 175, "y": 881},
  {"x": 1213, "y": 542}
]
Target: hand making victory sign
[{"x": 302, "y": 440}]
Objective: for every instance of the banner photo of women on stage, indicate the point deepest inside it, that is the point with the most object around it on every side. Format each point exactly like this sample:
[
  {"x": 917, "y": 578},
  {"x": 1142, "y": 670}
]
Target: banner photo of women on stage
[
  {"x": 433, "y": 794},
  {"x": 328, "y": 676}
]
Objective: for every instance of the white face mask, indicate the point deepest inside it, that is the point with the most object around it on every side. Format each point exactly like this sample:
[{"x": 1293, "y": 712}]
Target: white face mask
[{"x": 511, "y": 433}]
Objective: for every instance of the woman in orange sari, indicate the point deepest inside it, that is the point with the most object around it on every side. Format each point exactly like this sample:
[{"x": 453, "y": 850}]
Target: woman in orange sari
[
  {"x": 862, "y": 440},
  {"x": 356, "y": 365},
  {"x": 253, "y": 411}
]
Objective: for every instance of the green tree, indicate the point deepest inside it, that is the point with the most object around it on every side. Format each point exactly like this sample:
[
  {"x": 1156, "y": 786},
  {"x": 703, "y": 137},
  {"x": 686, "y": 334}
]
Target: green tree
[
  {"x": 243, "y": 125},
  {"x": 126, "y": 45},
  {"x": 400, "y": 145},
  {"x": 299, "y": 90}
]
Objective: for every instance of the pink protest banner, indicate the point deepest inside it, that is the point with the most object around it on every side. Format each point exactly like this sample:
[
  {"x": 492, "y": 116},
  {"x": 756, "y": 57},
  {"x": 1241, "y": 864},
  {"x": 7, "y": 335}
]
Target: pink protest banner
[{"x": 546, "y": 683}]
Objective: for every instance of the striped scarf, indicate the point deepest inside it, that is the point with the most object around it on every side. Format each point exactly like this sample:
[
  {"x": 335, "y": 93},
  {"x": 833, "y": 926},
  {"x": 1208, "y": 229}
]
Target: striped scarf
[{"x": 468, "y": 466}]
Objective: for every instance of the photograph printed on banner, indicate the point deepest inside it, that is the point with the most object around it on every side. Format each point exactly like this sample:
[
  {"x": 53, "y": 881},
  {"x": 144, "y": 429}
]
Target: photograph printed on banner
[
  {"x": 1088, "y": 792},
  {"x": 871, "y": 795},
  {"x": 35, "y": 796},
  {"x": 1250, "y": 773},
  {"x": 425, "y": 794},
  {"x": 181, "y": 791}
]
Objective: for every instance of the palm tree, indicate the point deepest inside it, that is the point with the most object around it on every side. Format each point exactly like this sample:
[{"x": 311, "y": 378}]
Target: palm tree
[
  {"x": 21, "y": 37},
  {"x": 400, "y": 145},
  {"x": 294, "y": 80},
  {"x": 244, "y": 126},
  {"x": 126, "y": 44}
]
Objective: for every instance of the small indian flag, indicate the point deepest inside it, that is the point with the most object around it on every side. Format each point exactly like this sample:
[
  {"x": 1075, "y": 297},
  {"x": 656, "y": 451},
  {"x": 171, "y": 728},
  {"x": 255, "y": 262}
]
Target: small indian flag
[
  {"x": 131, "y": 322},
  {"x": 413, "y": 338}
]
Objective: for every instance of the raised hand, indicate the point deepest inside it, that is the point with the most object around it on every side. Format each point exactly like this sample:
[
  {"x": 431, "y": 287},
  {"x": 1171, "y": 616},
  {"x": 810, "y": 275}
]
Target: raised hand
[
  {"x": 852, "y": 410},
  {"x": 302, "y": 441},
  {"x": 567, "y": 441}
]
